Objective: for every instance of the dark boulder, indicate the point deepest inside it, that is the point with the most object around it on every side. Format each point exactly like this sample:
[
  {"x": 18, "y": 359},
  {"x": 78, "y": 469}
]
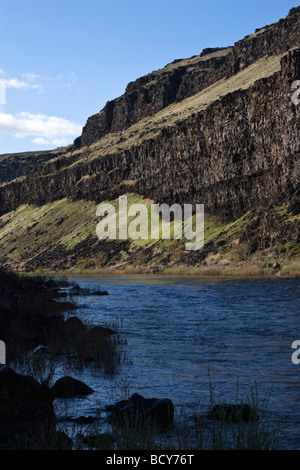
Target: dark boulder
[
  {"x": 99, "y": 292},
  {"x": 28, "y": 417},
  {"x": 74, "y": 325},
  {"x": 14, "y": 386},
  {"x": 100, "y": 332},
  {"x": 77, "y": 290},
  {"x": 138, "y": 410},
  {"x": 67, "y": 387},
  {"x": 50, "y": 284},
  {"x": 26, "y": 411}
]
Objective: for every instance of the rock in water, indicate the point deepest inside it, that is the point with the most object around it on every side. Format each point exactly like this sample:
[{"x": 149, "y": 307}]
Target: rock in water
[
  {"x": 139, "y": 410},
  {"x": 67, "y": 387}
]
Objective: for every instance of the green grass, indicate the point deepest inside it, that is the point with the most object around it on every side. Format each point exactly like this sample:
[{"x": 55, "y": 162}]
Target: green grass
[{"x": 31, "y": 231}]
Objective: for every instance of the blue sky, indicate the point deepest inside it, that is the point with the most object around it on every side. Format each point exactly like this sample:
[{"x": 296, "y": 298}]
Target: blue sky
[{"x": 62, "y": 60}]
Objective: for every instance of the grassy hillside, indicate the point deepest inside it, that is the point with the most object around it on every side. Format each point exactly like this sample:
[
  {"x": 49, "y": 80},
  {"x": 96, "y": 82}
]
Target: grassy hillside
[{"x": 61, "y": 236}]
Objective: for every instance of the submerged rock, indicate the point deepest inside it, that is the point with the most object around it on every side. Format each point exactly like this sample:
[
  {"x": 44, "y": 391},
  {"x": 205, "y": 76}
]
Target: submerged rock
[
  {"x": 138, "y": 410},
  {"x": 100, "y": 332},
  {"x": 77, "y": 290}
]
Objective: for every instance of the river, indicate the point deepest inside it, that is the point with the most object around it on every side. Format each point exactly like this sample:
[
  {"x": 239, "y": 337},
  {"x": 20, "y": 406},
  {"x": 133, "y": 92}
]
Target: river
[{"x": 186, "y": 335}]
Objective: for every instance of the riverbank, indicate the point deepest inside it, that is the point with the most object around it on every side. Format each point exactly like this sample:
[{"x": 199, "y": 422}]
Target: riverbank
[
  {"x": 224, "y": 269},
  {"x": 39, "y": 330}
]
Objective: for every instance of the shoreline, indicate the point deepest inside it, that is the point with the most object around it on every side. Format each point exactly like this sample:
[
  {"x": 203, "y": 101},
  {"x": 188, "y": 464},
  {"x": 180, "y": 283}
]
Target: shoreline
[{"x": 214, "y": 272}]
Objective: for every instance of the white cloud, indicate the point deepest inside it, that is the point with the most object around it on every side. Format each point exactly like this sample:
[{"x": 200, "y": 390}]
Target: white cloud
[
  {"x": 14, "y": 83},
  {"x": 31, "y": 76},
  {"x": 42, "y": 129},
  {"x": 18, "y": 84},
  {"x": 41, "y": 141},
  {"x": 33, "y": 81}
]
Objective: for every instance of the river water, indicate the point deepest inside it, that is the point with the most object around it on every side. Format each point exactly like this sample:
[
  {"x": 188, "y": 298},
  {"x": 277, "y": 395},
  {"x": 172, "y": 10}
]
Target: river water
[{"x": 186, "y": 335}]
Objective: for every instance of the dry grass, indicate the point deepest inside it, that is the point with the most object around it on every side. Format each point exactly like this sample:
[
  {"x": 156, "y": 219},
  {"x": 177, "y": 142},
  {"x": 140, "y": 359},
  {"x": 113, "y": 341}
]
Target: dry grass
[
  {"x": 292, "y": 269},
  {"x": 193, "y": 60},
  {"x": 238, "y": 253},
  {"x": 183, "y": 270},
  {"x": 247, "y": 270}
]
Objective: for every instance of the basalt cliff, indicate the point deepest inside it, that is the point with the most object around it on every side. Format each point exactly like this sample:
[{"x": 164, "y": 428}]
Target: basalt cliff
[{"x": 220, "y": 129}]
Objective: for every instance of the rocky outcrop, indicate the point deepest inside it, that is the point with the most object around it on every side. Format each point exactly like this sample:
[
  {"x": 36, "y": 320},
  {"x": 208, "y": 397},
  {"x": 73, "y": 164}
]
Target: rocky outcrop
[
  {"x": 20, "y": 164},
  {"x": 153, "y": 92},
  {"x": 240, "y": 152}
]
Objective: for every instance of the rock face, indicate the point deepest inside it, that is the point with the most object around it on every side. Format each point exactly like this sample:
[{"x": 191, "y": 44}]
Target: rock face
[
  {"x": 19, "y": 164},
  {"x": 155, "y": 91},
  {"x": 240, "y": 152}
]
